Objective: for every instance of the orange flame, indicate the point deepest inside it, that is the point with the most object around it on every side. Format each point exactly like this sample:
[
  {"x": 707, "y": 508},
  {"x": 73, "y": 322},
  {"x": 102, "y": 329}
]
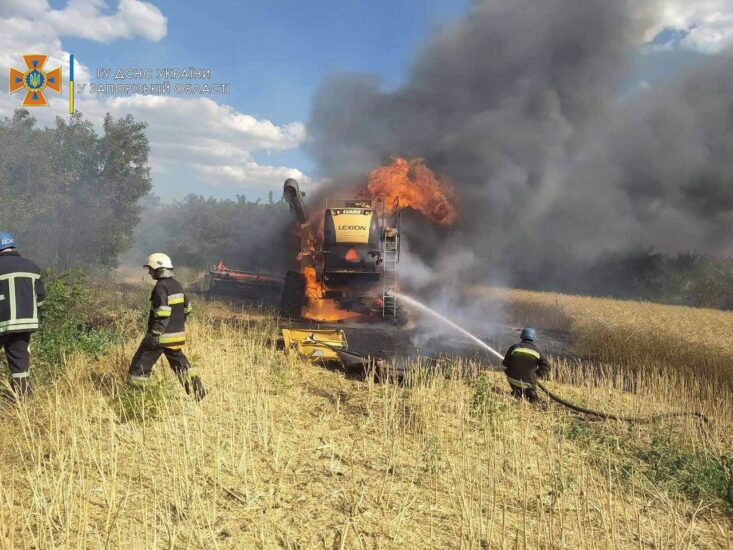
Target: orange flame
[
  {"x": 316, "y": 306},
  {"x": 416, "y": 187}
]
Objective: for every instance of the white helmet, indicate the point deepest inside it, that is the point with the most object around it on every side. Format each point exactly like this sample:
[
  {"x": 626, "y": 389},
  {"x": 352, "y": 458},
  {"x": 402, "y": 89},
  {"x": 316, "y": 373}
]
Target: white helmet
[{"x": 158, "y": 261}]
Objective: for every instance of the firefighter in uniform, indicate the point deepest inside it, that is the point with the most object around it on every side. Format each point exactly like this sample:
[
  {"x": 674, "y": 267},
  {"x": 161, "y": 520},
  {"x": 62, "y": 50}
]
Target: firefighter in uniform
[
  {"x": 169, "y": 308},
  {"x": 21, "y": 294},
  {"x": 524, "y": 364}
]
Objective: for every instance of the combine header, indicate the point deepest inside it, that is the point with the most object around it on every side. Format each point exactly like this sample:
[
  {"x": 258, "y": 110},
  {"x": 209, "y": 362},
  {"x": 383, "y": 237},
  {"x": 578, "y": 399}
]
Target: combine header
[
  {"x": 328, "y": 347},
  {"x": 229, "y": 282}
]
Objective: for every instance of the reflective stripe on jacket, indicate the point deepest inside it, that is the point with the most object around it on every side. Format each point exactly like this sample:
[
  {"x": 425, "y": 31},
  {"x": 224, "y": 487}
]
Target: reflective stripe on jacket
[
  {"x": 21, "y": 293},
  {"x": 169, "y": 307}
]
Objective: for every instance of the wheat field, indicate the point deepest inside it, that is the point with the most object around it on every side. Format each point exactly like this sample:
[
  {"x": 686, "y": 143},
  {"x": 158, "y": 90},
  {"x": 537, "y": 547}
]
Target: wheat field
[{"x": 287, "y": 454}]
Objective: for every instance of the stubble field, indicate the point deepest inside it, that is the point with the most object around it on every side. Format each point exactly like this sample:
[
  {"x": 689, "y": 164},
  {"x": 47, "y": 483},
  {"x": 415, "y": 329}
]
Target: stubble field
[{"x": 287, "y": 454}]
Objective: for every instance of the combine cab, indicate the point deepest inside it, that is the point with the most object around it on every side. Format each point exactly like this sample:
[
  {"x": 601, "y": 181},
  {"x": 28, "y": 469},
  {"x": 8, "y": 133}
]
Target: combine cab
[{"x": 347, "y": 265}]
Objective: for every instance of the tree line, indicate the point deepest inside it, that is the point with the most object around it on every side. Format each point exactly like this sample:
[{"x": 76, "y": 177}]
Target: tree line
[{"x": 198, "y": 232}]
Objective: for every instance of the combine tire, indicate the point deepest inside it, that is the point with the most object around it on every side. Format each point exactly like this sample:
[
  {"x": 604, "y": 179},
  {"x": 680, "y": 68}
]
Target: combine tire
[{"x": 293, "y": 294}]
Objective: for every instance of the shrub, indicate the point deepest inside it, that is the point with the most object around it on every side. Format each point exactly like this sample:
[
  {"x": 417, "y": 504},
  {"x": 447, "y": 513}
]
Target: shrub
[
  {"x": 694, "y": 475},
  {"x": 77, "y": 316}
]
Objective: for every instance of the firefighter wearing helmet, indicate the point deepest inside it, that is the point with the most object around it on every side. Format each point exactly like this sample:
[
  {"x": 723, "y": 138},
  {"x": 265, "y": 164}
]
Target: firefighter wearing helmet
[
  {"x": 21, "y": 294},
  {"x": 166, "y": 329},
  {"x": 525, "y": 363}
]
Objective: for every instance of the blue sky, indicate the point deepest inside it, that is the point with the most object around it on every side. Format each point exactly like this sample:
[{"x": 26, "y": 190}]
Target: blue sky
[{"x": 274, "y": 55}]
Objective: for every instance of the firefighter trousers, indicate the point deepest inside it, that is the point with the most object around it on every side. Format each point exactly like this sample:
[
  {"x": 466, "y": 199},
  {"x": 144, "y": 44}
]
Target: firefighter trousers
[
  {"x": 529, "y": 393},
  {"x": 16, "y": 350},
  {"x": 146, "y": 356}
]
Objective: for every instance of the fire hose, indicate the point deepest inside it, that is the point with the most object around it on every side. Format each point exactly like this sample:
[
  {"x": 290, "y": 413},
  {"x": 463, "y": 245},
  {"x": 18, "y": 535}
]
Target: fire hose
[
  {"x": 560, "y": 400},
  {"x": 552, "y": 396},
  {"x": 578, "y": 408},
  {"x": 608, "y": 416},
  {"x": 583, "y": 410}
]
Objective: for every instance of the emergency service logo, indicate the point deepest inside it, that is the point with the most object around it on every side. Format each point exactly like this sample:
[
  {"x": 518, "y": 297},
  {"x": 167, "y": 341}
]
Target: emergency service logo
[{"x": 35, "y": 80}]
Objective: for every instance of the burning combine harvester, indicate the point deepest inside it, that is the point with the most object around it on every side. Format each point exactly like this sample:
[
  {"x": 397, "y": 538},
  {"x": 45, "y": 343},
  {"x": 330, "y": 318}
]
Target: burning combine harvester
[
  {"x": 343, "y": 263},
  {"x": 347, "y": 260}
]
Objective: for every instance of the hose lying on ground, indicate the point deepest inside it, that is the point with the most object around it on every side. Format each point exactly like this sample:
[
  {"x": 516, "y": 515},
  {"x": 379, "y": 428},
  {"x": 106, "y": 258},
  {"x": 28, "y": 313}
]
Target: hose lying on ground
[
  {"x": 607, "y": 416},
  {"x": 568, "y": 404}
]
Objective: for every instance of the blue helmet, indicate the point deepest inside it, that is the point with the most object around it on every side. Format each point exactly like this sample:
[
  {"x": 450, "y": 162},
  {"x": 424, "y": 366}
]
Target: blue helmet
[
  {"x": 7, "y": 240},
  {"x": 528, "y": 334}
]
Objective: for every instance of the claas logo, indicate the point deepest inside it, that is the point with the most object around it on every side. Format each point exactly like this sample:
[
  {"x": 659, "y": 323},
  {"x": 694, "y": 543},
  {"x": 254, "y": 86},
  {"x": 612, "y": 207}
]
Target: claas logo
[
  {"x": 35, "y": 80},
  {"x": 340, "y": 211}
]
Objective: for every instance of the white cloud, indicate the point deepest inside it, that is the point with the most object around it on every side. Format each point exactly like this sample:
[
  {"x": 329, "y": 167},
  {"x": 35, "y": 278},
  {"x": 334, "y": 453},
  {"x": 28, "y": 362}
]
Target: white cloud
[
  {"x": 215, "y": 143},
  {"x": 704, "y": 26},
  {"x": 84, "y": 19},
  {"x": 215, "y": 140},
  {"x": 250, "y": 173},
  {"x": 202, "y": 118},
  {"x": 23, "y": 8}
]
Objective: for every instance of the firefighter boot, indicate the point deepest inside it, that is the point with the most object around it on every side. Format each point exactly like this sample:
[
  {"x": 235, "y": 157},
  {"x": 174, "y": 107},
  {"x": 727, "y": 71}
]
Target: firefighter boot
[
  {"x": 21, "y": 388},
  {"x": 197, "y": 387},
  {"x": 193, "y": 385}
]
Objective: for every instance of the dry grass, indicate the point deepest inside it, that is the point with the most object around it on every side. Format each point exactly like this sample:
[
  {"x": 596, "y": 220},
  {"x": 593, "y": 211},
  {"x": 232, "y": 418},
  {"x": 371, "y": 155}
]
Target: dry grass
[{"x": 286, "y": 454}]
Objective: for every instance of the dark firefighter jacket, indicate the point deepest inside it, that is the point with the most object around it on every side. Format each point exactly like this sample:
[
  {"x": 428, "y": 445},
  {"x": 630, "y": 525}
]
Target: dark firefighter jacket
[
  {"x": 21, "y": 293},
  {"x": 169, "y": 307},
  {"x": 522, "y": 362}
]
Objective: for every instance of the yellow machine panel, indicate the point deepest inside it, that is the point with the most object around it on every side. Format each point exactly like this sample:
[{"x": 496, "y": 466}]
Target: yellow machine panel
[
  {"x": 315, "y": 345},
  {"x": 352, "y": 225}
]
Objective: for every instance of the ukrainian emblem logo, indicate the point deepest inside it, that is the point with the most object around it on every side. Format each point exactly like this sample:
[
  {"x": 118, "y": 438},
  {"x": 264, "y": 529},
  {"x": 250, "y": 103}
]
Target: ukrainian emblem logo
[{"x": 35, "y": 80}]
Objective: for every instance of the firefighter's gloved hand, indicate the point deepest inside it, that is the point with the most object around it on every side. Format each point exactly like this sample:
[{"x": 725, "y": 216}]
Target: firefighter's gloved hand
[{"x": 542, "y": 371}]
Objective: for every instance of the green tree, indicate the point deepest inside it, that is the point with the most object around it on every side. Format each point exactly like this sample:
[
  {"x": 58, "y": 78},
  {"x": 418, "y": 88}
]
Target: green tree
[{"x": 71, "y": 195}]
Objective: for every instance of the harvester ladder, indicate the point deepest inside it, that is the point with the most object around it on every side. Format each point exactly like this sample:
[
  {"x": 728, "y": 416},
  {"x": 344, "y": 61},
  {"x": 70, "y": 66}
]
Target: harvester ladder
[{"x": 390, "y": 258}]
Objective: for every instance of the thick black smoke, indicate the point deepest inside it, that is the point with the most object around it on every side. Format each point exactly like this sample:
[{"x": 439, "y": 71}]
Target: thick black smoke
[{"x": 525, "y": 107}]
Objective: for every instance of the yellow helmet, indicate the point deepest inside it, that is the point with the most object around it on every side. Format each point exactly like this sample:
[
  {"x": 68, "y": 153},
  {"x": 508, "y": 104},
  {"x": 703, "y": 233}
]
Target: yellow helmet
[{"x": 158, "y": 260}]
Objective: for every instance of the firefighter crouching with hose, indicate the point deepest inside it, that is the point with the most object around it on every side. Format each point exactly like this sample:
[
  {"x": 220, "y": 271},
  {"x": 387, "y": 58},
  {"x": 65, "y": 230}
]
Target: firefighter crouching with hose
[
  {"x": 166, "y": 330},
  {"x": 525, "y": 363}
]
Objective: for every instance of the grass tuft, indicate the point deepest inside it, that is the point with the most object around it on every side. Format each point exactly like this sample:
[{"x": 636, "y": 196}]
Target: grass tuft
[{"x": 143, "y": 404}]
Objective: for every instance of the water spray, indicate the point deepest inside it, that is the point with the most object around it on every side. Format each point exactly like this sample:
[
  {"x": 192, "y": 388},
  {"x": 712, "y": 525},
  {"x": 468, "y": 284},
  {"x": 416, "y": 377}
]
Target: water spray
[
  {"x": 426, "y": 309},
  {"x": 556, "y": 398}
]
